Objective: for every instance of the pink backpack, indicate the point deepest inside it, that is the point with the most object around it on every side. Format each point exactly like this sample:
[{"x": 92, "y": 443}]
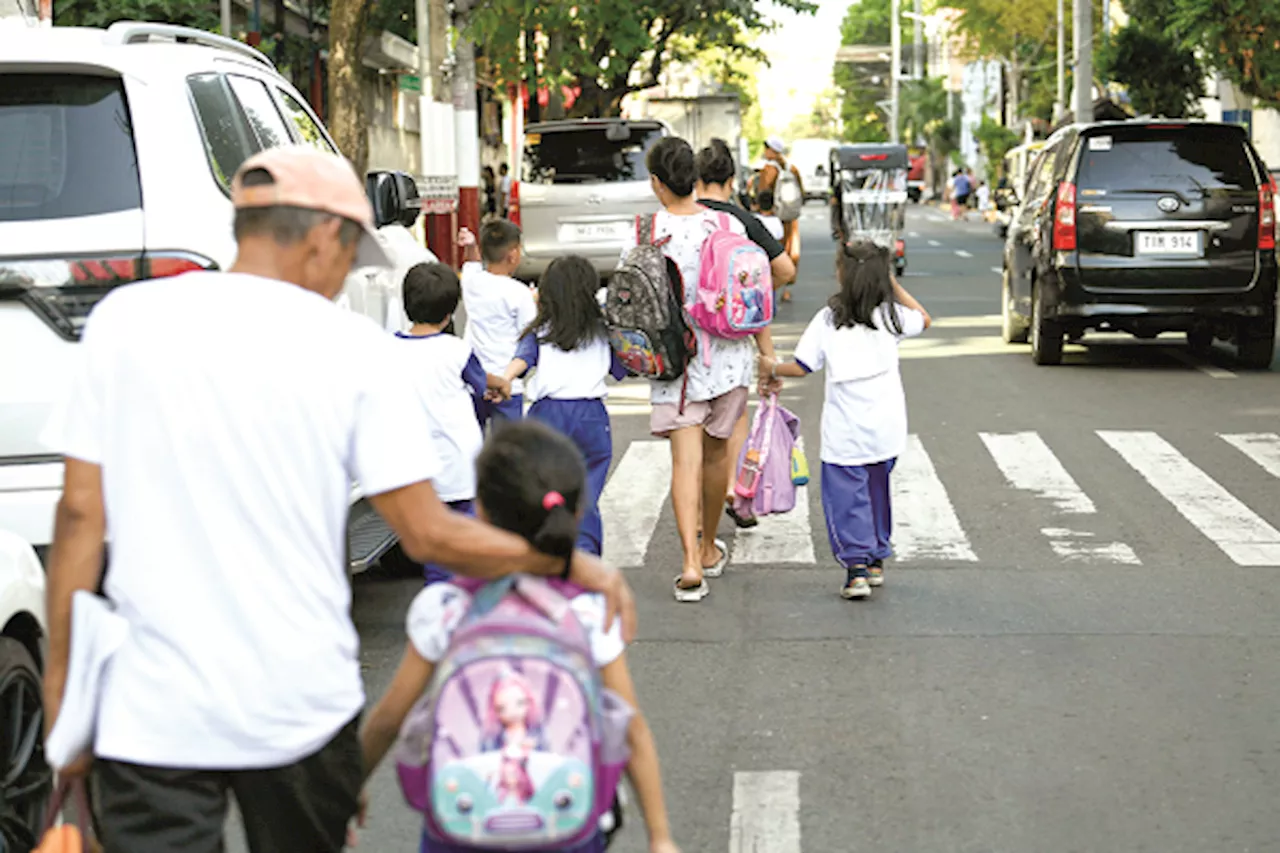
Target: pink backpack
[{"x": 734, "y": 298}]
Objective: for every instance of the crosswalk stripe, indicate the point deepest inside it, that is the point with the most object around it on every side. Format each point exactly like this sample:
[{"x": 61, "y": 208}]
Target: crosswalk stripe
[
  {"x": 1241, "y": 533},
  {"x": 778, "y": 538},
  {"x": 1261, "y": 447},
  {"x": 766, "y": 813},
  {"x": 925, "y": 522},
  {"x": 1028, "y": 464},
  {"x": 632, "y": 501}
]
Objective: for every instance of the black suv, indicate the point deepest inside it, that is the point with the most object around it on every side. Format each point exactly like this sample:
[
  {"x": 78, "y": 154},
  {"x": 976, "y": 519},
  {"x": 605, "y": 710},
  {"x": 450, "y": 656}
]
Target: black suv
[{"x": 1144, "y": 227}]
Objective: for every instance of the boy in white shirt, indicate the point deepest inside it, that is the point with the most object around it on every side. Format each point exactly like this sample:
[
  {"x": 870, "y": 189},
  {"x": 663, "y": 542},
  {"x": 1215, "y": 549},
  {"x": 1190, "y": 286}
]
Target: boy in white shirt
[
  {"x": 765, "y": 213},
  {"x": 448, "y": 380},
  {"x": 499, "y": 308}
]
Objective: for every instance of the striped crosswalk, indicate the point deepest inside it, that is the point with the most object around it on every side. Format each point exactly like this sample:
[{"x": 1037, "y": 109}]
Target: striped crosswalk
[{"x": 931, "y": 527}]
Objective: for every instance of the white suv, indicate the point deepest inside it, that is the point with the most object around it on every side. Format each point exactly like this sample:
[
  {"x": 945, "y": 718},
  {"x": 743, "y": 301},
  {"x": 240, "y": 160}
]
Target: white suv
[
  {"x": 116, "y": 150},
  {"x": 25, "y": 779}
]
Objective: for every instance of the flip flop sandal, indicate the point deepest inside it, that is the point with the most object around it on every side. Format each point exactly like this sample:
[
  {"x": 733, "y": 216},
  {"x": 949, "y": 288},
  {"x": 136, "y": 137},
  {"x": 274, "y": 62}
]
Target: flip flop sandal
[
  {"x": 743, "y": 522},
  {"x": 718, "y": 569},
  {"x": 693, "y": 594}
]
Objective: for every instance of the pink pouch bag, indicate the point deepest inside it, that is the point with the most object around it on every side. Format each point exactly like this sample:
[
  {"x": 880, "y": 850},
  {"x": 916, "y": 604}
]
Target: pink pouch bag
[
  {"x": 764, "y": 485},
  {"x": 734, "y": 298}
]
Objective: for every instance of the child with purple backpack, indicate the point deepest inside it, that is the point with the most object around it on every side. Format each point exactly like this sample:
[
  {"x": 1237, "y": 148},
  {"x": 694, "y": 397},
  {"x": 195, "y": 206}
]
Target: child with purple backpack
[
  {"x": 529, "y": 714},
  {"x": 854, "y": 338}
]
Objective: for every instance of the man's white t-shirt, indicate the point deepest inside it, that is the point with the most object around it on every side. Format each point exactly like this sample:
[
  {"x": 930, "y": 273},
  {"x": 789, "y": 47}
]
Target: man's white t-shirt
[
  {"x": 499, "y": 309},
  {"x": 436, "y": 611},
  {"x": 864, "y": 417},
  {"x": 230, "y": 415},
  {"x": 448, "y": 377},
  {"x": 732, "y": 361}
]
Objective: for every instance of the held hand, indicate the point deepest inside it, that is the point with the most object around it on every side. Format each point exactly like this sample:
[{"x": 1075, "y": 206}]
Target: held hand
[
  {"x": 665, "y": 846},
  {"x": 361, "y": 818},
  {"x": 465, "y": 238}
]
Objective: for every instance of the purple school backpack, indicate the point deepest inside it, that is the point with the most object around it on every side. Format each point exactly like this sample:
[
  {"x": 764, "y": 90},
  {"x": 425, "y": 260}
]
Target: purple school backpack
[
  {"x": 516, "y": 745},
  {"x": 764, "y": 485},
  {"x": 734, "y": 298}
]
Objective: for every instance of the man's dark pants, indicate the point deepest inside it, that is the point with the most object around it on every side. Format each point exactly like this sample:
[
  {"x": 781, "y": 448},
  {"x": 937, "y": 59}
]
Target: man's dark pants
[{"x": 303, "y": 807}]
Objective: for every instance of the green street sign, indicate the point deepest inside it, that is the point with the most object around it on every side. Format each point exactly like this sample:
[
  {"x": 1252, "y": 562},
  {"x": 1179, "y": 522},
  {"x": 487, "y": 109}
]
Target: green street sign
[{"x": 410, "y": 83}]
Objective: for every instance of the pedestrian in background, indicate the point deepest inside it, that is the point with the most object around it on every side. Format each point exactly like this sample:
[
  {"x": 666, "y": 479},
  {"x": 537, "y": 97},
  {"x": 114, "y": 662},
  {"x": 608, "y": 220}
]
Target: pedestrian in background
[
  {"x": 223, "y": 453},
  {"x": 490, "y": 183},
  {"x": 504, "y": 191},
  {"x": 567, "y": 347},
  {"x": 854, "y": 338}
]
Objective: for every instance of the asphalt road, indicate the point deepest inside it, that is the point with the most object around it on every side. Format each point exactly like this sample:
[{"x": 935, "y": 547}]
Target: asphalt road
[{"x": 1077, "y": 649}]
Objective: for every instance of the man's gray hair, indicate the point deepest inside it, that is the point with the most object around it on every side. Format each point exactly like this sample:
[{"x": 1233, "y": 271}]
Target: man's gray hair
[{"x": 285, "y": 225}]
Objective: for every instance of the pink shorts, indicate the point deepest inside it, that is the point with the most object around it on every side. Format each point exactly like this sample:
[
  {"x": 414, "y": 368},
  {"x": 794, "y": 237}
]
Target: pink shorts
[{"x": 716, "y": 416}]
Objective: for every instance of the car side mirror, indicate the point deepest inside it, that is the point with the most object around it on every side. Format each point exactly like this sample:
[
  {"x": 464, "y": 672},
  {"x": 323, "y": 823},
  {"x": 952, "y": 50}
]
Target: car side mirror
[{"x": 394, "y": 197}]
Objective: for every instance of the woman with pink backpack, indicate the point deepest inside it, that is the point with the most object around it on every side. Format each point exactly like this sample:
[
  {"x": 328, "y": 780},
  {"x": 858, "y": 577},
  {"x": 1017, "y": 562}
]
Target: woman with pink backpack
[{"x": 698, "y": 410}]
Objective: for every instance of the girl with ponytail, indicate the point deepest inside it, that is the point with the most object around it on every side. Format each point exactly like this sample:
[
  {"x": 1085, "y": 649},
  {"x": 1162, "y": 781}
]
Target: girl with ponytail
[
  {"x": 531, "y": 481},
  {"x": 854, "y": 338}
]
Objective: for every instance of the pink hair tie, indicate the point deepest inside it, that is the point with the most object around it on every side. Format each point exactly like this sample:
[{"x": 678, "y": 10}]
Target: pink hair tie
[{"x": 551, "y": 500}]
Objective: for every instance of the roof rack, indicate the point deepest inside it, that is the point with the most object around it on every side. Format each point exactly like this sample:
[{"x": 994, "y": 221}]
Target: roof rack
[{"x": 133, "y": 32}]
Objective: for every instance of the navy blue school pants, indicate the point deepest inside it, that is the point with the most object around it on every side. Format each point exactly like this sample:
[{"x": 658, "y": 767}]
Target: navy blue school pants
[
  {"x": 587, "y": 423},
  {"x": 507, "y": 410},
  {"x": 855, "y": 501},
  {"x": 438, "y": 574}
]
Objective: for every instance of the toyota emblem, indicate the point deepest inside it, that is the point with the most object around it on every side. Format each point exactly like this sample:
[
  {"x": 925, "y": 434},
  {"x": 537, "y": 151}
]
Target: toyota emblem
[{"x": 1168, "y": 204}]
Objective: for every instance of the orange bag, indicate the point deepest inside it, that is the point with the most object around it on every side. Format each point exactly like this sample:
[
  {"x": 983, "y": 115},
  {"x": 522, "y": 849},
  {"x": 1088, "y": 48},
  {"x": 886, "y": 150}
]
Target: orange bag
[{"x": 68, "y": 838}]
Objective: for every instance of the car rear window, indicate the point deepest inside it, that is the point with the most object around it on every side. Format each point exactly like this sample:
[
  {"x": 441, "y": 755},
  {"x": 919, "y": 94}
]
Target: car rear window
[
  {"x": 66, "y": 147},
  {"x": 1165, "y": 160},
  {"x": 587, "y": 156}
]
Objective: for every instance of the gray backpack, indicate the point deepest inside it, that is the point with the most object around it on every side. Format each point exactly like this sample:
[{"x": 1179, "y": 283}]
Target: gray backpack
[
  {"x": 787, "y": 195},
  {"x": 644, "y": 309}
]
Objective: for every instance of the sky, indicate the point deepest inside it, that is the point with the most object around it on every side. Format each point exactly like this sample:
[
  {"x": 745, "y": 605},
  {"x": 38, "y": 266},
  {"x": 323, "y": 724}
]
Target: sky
[{"x": 801, "y": 52}]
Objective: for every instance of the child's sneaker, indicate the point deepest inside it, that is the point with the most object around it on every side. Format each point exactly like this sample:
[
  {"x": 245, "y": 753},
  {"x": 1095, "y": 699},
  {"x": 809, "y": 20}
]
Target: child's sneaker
[
  {"x": 875, "y": 573},
  {"x": 856, "y": 586}
]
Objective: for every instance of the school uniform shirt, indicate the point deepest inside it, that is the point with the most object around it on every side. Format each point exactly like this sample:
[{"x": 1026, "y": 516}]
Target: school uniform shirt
[
  {"x": 228, "y": 441},
  {"x": 732, "y": 361},
  {"x": 448, "y": 377},
  {"x": 864, "y": 417},
  {"x": 756, "y": 231},
  {"x": 499, "y": 309},
  {"x": 576, "y": 374},
  {"x": 436, "y": 611},
  {"x": 773, "y": 224}
]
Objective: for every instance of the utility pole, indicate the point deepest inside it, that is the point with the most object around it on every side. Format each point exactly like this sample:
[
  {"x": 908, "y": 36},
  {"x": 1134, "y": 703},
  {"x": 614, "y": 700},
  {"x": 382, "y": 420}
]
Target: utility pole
[
  {"x": 466, "y": 122},
  {"x": 226, "y": 18},
  {"x": 895, "y": 78},
  {"x": 917, "y": 64},
  {"x": 1060, "y": 103},
  {"x": 1083, "y": 20},
  {"x": 440, "y": 194}
]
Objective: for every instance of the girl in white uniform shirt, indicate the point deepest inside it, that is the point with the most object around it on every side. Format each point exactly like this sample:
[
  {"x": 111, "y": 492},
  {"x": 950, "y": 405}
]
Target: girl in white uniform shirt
[
  {"x": 568, "y": 348},
  {"x": 864, "y": 419}
]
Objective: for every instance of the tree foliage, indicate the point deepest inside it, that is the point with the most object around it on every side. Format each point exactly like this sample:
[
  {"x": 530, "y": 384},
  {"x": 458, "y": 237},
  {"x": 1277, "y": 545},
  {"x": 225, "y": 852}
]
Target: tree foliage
[
  {"x": 1163, "y": 77},
  {"x": 861, "y": 86},
  {"x": 103, "y": 13},
  {"x": 994, "y": 140},
  {"x": 612, "y": 48},
  {"x": 1020, "y": 33},
  {"x": 1239, "y": 38},
  {"x": 922, "y": 115}
]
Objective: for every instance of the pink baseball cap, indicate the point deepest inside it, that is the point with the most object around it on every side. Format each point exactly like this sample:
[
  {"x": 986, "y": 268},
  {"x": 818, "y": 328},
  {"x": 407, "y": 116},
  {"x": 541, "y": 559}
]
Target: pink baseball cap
[{"x": 313, "y": 180}]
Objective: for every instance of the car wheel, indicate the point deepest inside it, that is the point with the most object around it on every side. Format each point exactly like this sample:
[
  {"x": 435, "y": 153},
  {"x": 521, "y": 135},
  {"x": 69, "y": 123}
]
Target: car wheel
[
  {"x": 1013, "y": 329},
  {"x": 1256, "y": 346},
  {"x": 1200, "y": 340},
  {"x": 1046, "y": 335},
  {"x": 25, "y": 778}
]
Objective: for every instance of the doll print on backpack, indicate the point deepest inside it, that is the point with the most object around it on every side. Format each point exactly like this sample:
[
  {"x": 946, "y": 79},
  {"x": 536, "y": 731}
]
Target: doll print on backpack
[
  {"x": 636, "y": 352},
  {"x": 520, "y": 766}
]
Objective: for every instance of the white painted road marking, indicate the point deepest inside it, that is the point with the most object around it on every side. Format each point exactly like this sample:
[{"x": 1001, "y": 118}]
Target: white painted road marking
[
  {"x": 962, "y": 253},
  {"x": 1241, "y": 533},
  {"x": 1028, "y": 464},
  {"x": 778, "y": 538},
  {"x": 913, "y": 234},
  {"x": 766, "y": 813},
  {"x": 1261, "y": 447},
  {"x": 998, "y": 270},
  {"x": 934, "y": 243},
  {"x": 1207, "y": 369},
  {"x": 925, "y": 522},
  {"x": 632, "y": 501}
]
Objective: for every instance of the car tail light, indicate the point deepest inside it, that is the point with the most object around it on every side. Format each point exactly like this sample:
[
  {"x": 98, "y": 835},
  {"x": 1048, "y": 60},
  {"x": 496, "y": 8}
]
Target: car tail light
[
  {"x": 513, "y": 206},
  {"x": 1267, "y": 215},
  {"x": 62, "y": 291},
  {"x": 1064, "y": 218}
]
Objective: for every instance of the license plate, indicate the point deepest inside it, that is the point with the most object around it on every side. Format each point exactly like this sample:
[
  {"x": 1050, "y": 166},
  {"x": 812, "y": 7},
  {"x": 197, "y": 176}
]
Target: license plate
[
  {"x": 594, "y": 232},
  {"x": 1179, "y": 243}
]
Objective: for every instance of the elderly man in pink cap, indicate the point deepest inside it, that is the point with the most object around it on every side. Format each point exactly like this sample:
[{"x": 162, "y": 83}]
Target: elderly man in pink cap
[{"x": 212, "y": 431}]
